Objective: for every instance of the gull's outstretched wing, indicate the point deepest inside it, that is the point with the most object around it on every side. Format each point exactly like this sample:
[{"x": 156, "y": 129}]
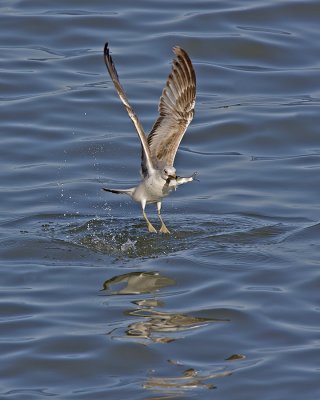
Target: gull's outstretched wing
[
  {"x": 146, "y": 165},
  {"x": 176, "y": 110}
]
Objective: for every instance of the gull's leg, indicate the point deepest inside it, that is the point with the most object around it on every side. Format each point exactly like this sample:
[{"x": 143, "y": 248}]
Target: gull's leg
[
  {"x": 163, "y": 228},
  {"x": 151, "y": 228}
]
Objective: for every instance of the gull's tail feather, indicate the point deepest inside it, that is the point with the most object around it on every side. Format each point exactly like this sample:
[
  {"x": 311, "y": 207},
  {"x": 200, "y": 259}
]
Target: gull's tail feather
[{"x": 129, "y": 192}]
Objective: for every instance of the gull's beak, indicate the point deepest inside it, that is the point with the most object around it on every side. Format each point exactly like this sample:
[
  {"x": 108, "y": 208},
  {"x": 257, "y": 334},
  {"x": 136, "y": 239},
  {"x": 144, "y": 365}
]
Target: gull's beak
[{"x": 172, "y": 176}]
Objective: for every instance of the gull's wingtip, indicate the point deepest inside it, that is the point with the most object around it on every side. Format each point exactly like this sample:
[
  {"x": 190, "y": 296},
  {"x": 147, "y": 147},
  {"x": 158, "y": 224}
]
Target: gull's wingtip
[
  {"x": 106, "y": 48},
  {"x": 178, "y": 51}
]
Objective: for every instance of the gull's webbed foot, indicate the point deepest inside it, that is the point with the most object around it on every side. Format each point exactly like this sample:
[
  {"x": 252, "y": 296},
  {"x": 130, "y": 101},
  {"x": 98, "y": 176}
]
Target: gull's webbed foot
[
  {"x": 164, "y": 229},
  {"x": 151, "y": 228}
]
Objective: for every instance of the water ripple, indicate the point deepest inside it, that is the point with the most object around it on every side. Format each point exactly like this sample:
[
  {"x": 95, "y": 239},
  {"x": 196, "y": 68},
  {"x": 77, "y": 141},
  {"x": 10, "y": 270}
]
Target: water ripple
[{"x": 97, "y": 306}]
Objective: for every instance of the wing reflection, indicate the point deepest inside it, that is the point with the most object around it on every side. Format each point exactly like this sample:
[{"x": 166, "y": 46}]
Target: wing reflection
[{"x": 137, "y": 283}]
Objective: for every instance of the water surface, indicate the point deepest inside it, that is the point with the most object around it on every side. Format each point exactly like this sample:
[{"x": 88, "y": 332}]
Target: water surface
[{"x": 92, "y": 305}]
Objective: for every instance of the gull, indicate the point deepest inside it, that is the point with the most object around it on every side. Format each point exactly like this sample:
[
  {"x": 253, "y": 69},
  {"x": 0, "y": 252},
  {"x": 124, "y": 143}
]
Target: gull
[{"x": 176, "y": 109}]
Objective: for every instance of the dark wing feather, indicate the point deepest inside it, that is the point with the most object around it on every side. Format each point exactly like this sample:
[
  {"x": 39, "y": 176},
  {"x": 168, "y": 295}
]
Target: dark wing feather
[
  {"x": 176, "y": 110},
  {"x": 146, "y": 164}
]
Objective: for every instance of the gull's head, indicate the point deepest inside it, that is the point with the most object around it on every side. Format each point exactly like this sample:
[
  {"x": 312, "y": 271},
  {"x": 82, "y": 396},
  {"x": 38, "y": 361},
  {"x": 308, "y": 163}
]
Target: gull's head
[{"x": 168, "y": 172}]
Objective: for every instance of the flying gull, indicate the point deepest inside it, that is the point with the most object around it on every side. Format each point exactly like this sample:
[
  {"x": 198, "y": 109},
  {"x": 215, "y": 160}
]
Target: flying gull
[{"x": 176, "y": 109}]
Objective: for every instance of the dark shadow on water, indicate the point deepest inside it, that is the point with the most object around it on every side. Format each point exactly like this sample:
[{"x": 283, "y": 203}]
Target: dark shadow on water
[{"x": 127, "y": 238}]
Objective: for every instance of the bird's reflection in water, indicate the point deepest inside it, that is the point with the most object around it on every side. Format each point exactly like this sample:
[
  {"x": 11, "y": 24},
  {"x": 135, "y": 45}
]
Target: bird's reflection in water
[
  {"x": 136, "y": 283},
  {"x": 160, "y": 322},
  {"x": 189, "y": 379},
  {"x": 152, "y": 323}
]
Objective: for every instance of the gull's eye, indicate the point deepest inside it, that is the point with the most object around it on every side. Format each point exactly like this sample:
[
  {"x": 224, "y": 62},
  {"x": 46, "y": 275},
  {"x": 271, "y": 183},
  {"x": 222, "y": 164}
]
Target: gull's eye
[{"x": 165, "y": 171}]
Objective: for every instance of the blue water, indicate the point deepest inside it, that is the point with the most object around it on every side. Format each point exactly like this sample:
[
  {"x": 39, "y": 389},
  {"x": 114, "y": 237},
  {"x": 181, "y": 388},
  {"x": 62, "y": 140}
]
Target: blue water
[{"x": 92, "y": 306}]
